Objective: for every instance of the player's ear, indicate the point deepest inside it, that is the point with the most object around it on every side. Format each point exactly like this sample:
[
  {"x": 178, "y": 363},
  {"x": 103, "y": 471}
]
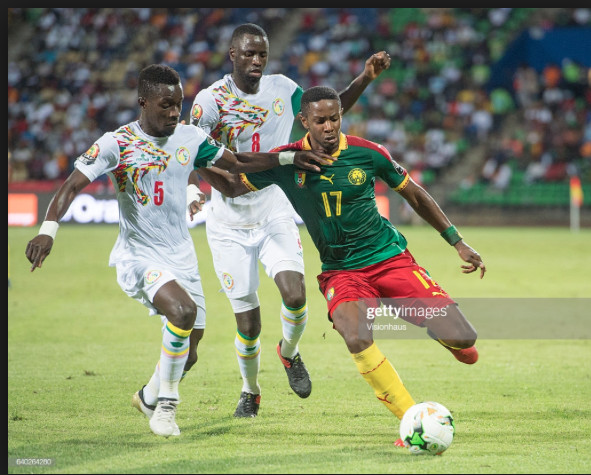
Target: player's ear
[
  {"x": 302, "y": 120},
  {"x": 232, "y": 54},
  {"x": 141, "y": 101}
]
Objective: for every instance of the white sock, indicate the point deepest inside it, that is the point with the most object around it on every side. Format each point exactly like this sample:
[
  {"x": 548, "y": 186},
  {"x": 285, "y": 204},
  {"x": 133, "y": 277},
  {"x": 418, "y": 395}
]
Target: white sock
[
  {"x": 293, "y": 322},
  {"x": 173, "y": 356},
  {"x": 248, "y": 353}
]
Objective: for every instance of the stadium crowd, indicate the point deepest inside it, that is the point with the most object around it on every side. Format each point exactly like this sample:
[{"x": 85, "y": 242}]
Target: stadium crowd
[{"x": 72, "y": 76}]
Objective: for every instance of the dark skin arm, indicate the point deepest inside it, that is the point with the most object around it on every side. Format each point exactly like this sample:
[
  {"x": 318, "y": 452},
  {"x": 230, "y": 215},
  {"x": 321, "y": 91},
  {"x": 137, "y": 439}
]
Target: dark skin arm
[
  {"x": 258, "y": 162},
  {"x": 428, "y": 209},
  {"x": 40, "y": 246},
  {"x": 374, "y": 66},
  {"x": 226, "y": 183}
]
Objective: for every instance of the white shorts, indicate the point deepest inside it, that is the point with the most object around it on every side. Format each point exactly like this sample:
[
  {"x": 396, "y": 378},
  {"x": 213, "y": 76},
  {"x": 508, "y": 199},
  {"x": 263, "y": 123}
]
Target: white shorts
[
  {"x": 141, "y": 281},
  {"x": 236, "y": 253}
]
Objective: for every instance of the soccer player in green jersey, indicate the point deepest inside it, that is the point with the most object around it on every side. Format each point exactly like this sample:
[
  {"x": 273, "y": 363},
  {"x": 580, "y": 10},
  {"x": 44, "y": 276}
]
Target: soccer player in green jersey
[
  {"x": 249, "y": 110},
  {"x": 364, "y": 257}
]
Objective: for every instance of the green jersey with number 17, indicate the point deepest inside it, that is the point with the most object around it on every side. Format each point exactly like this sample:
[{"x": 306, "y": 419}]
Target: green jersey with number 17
[{"x": 338, "y": 206}]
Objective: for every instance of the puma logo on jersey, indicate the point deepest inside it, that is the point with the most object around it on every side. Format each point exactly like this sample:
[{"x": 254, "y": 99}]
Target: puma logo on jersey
[{"x": 327, "y": 178}]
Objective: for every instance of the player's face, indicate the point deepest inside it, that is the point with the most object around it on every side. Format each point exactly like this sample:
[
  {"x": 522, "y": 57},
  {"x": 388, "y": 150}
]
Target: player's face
[
  {"x": 162, "y": 110},
  {"x": 323, "y": 121},
  {"x": 249, "y": 55}
]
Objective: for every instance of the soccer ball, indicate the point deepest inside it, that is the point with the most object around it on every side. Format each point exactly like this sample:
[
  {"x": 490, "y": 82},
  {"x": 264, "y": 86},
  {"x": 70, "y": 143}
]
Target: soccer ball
[{"x": 427, "y": 428}]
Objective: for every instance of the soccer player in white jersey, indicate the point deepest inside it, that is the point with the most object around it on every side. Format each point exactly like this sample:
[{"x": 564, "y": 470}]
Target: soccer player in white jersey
[
  {"x": 249, "y": 111},
  {"x": 149, "y": 161}
]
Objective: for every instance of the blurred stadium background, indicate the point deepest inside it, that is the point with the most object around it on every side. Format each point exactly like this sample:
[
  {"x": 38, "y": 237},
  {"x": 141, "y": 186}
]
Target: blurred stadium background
[{"x": 489, "y": 108}]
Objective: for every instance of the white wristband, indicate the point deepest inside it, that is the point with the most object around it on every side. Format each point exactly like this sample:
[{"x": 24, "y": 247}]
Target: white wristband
[
  {"x": 49, "y": 228},
  {"x": 192, "y": 194},
  {"x": 286, "y": 158}
]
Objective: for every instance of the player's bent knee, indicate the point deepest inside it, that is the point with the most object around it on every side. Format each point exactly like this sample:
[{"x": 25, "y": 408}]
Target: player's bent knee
[
  {"x": 183, "y": 315},
  {"x": 295, "y": 301}
]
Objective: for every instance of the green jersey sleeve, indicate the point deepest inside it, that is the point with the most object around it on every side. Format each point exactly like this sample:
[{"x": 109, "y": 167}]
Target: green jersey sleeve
[
  {"x": 391, "y": 172},
  {"x": 296, "y": 100}
]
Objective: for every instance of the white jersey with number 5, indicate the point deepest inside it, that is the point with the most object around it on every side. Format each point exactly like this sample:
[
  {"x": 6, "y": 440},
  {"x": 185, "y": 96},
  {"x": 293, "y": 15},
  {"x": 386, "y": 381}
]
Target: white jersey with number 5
[
  {"x": 150, "y": 176},
  {"x": 249, "y": 123}
]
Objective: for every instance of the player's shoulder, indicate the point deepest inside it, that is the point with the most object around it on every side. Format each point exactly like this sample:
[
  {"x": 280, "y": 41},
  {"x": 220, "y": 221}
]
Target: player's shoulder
[
  {"x": 294, "y": 146},
  {"x": 123, "y": 133},
  {"x": 188, "y": 131},
  {"x": 355, "y": 141},
  {"x": 278, "y": 80}
]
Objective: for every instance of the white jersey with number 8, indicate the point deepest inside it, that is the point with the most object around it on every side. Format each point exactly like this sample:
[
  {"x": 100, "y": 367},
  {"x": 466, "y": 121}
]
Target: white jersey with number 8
[{"x": 249, "y": 123}]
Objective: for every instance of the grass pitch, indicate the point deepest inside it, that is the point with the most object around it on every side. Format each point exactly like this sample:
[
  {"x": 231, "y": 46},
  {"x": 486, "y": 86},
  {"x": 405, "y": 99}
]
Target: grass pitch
[{"x": 78, "y": 348}]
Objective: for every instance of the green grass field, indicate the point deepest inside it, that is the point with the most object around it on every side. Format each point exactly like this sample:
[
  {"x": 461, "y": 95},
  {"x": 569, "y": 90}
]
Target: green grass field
[{"x": 78, "y": 349}]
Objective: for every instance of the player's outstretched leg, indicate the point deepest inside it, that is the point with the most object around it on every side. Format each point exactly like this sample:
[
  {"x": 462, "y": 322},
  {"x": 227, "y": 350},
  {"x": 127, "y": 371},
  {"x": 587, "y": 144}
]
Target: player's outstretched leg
[
  {"x": 371, "y": 363},
  {"x": 455, "y": 333}
]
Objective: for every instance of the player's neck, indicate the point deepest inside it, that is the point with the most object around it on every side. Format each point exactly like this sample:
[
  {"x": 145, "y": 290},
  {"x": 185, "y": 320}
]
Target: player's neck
[
  {"x": 316, "y": 147},
  {"x": 248, "y": 87}
]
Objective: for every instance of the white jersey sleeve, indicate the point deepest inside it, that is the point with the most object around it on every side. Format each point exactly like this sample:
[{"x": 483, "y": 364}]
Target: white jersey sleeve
[
  {"x": 204, "y": 112},
  {"x": 99, "y": 159}
]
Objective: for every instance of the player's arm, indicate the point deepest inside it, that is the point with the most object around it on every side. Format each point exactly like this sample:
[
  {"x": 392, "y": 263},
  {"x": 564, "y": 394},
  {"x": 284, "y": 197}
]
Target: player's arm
[
  {"x": 228, "y": 184},
  {"x": 374, "y": 66},
  {"x": 428, "y": 209},
  {"x": 257, "y": 161},
  {"x": 40, "y": 246}
]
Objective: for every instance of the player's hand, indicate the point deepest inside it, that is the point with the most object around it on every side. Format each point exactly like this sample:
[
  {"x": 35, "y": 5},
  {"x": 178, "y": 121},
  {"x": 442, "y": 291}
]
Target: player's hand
[
  {"x": 38, "y": 249},
  {"x": 196, "y": 205},
  {"x": 470, "y": 256},
  {"x": 377, "y": 63},
  {"x": 310, "y": 160}
]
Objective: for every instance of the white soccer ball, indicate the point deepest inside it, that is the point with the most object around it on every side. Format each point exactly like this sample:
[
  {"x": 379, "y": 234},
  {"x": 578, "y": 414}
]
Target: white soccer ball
[{"x": 427, "y": 428}]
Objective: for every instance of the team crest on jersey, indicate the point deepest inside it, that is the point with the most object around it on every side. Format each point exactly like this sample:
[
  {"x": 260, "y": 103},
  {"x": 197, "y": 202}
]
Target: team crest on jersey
[
  {"x": 152, "y": 276},
  {"x": 182, "y": 155},
  {"x": 278, "y": 106},
  {"x": 300, "y": 178},
  {"x": 330, "y": 294},
  {"x": 227, "y": 280},
  {"x": 196, "y": 113},
  {"x": 89, "y": 157},
  {"x": 357, "y": 176}
]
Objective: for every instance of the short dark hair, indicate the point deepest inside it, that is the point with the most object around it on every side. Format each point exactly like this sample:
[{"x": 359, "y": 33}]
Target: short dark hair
[
  {"x": 247, "y": 29},
  {"x": 316, "y": 94},
  {"x": 153, "y": 75}
]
